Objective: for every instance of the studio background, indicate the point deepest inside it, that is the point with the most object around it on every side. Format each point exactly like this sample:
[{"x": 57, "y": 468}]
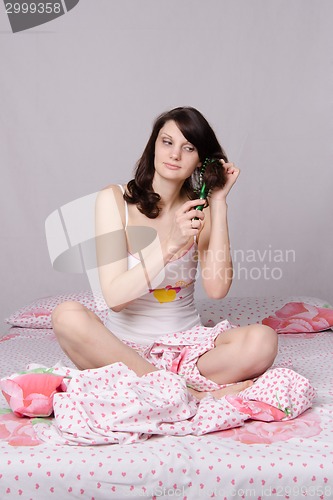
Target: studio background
[{"x": 79, "y": 96}]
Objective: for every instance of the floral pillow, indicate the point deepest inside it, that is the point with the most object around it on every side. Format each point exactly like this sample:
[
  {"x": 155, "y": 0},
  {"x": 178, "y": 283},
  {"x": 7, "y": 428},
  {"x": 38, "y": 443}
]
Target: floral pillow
[
  {"x": 300, "y": 317},
  {"x": 31, "y": 394},
  {"x": 38, "y": 313}
]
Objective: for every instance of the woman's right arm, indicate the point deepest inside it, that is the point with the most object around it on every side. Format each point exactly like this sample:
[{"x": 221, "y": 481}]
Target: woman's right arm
[{"x": 120, "y": 285}]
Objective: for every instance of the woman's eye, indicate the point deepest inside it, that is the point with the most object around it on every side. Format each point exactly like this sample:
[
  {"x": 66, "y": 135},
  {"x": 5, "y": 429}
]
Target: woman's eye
[
  {"x": 189, "y": 148},
  {"x": 165, "y": 141}
]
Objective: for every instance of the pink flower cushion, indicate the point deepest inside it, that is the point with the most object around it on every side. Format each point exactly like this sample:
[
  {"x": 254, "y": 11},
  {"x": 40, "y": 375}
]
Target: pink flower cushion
[
  {"x": 38, "y": 313},
  {"x": 31, "y": 394},
  {"x": 299, "y": 317}
]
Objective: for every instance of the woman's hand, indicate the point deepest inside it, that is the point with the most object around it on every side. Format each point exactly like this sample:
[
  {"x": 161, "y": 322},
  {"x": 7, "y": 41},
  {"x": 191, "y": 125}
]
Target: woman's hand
[
  {"x": 232, "y": 173},
  {"x": 187, "y": 223}
]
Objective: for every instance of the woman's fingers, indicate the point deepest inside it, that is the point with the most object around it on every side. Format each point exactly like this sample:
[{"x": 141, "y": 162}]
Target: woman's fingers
[
  {"x": 198, "y": 214},
  {"x": 190, "y": 222},
  {"x": 187, "y": 223},
  {"x": 230, "y": 167},
  {"x": 196, "y": 223},
  {"x": 188, "y": 212},
  {"x": 190, "y": 204}
]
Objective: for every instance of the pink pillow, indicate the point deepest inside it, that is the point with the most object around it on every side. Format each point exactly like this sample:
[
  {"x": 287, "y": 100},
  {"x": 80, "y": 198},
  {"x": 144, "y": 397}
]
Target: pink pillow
[
  {"x": 299, "y": 317},
  {"x": 31, "y": 394},
  {"x": 38, "y": 313}
]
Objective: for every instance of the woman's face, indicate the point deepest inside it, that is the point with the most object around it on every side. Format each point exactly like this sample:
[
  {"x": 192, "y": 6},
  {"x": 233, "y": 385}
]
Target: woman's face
[{"x": 175, "y": 157}]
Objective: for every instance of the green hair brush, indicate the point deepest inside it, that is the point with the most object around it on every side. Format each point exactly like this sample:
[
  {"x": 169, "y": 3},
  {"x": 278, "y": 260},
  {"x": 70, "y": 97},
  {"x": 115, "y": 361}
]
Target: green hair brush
[{"x": 203, "y": 188}]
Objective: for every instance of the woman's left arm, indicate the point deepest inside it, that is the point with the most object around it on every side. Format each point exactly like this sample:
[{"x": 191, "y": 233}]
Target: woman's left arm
[{"x": 213, "y": 241}]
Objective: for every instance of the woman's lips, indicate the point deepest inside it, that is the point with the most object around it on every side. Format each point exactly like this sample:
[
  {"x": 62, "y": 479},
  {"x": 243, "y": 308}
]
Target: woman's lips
[{"x": 171, "y": 166}]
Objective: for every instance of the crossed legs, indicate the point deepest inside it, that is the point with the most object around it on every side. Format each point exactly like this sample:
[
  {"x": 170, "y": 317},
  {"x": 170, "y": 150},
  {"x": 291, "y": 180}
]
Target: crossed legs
[{"x": 238, "y": 355}]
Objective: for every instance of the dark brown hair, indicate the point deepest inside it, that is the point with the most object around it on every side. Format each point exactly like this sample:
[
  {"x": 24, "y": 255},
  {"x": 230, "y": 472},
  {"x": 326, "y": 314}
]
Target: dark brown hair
[{"x": 198, "y": 132}]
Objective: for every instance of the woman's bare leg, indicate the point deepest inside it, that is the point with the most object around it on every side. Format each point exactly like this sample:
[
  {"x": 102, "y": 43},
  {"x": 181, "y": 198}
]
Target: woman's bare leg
[
  {"x": 239, "y": 354},
  {"x": 89, "y": 344}
]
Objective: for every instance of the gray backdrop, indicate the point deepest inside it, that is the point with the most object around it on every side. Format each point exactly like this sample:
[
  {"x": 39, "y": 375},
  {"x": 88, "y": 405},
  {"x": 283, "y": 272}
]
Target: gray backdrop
[{"x": 79, "y": 95}]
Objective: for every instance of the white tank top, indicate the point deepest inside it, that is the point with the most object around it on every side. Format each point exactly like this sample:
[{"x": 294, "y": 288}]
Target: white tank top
[{"x": 167, "y": 309}]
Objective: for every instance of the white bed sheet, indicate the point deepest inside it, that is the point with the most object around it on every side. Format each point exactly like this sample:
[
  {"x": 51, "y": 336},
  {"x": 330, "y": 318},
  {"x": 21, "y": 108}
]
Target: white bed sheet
[{"x": 288, "y": 460}]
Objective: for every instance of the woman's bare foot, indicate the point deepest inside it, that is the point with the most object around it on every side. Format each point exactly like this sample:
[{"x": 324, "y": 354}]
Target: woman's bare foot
[{"x": 230, "y": 389}]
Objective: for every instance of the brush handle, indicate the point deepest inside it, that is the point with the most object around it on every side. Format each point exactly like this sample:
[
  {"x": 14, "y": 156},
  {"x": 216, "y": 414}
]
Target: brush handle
[{"x": 203, "y": 196}]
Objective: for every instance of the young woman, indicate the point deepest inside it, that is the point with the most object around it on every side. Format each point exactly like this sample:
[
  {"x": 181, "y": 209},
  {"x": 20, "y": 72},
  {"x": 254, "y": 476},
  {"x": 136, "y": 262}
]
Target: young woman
[{"x": 150, "y": 236}]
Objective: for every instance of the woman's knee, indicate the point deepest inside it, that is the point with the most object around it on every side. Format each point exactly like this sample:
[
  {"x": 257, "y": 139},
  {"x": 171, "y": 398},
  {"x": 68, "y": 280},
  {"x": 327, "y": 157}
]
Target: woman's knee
[
  {"x": 263, "y": 344},
  {"x": 69, "y": 319}
]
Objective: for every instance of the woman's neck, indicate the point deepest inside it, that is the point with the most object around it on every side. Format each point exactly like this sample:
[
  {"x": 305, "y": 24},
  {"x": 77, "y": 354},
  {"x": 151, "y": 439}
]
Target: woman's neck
[{"x": 170, "y": 193}]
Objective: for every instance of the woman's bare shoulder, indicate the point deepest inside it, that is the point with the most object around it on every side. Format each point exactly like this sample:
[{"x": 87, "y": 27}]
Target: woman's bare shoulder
[
  {"x": 110, "y": 199},
  {"x": 114, "y": 187}
]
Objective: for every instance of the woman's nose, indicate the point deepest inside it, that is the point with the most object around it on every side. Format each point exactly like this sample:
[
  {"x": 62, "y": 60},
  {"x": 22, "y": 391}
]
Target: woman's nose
[{"x": 175, "y": 153}]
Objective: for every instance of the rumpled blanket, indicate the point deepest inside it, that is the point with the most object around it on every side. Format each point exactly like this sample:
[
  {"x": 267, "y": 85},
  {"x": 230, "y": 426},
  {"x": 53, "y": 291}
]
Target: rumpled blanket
[{"x": 112, "y": 405}]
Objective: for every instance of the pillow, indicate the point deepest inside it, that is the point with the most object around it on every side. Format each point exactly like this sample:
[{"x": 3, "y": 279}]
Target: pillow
[
  {"x": 300, "y": 317},
  {"x": 38, "y": 313},
  {"x": 31, "y": 394}
]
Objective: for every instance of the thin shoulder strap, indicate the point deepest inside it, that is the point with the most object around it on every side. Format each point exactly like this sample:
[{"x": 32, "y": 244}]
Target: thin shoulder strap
[{"x": 126, "y": 207}]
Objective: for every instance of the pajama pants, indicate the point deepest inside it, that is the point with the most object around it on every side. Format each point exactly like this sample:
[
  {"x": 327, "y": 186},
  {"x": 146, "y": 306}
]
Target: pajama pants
[{"x": 179, "y": 352}]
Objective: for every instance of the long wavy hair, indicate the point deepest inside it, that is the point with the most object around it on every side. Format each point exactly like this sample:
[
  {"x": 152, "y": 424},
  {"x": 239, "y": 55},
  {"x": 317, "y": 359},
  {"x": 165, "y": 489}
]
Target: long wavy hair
[{"x": 199, "y": 133}]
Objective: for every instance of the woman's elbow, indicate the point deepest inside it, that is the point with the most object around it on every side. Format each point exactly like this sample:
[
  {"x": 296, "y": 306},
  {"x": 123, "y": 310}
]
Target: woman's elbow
[
  {"x": 217, "y": 292},
  {"x": 116, "y": 309},
  {"x": 215, "y": 295},
  {"x": 113, "y": 304}
]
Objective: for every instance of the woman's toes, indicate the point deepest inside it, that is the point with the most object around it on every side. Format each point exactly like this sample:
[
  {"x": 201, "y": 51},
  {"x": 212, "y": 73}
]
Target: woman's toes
[{"x": 232, "y": 389}]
